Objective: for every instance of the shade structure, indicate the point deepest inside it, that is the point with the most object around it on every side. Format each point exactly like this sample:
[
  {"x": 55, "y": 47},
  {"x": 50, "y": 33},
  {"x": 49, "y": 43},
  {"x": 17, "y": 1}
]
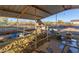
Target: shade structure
[{"x": 28, "y": 11}]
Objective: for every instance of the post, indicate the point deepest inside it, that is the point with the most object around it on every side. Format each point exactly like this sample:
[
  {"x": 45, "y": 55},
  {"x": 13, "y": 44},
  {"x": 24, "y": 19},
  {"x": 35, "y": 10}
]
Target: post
[
  {"x": 23, "y": 29},
  {"x": 47, "y": 33},
  {"x": 17, "y": 25},
  {"x": 36, "y": 32},
  {"x": 36, "y": 38},
  {"x": 56, "y": 20}
]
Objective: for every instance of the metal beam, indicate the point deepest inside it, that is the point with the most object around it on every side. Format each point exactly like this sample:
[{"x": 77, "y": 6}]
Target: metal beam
[
  {"x": 42, "y": 9},
  {"x": 19, "y": 13},
  {"x": 23, "y": 11},
  {"x": 67, "y": 7}
]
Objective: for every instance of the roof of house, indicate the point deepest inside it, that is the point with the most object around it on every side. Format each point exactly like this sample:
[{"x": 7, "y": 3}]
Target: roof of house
[{"x": 74, "y": 20}]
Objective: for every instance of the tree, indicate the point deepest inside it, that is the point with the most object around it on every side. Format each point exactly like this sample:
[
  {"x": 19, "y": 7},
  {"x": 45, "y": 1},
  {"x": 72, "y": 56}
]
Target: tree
[
  {"x": 60, "y": 22},
  {"x": 68, "y": 24},
  {"x": 3, "y": 21}
]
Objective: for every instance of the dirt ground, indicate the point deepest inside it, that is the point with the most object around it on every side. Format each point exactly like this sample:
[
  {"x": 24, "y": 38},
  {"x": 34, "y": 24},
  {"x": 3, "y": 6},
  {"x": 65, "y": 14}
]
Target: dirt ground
[{"x": 51, "y": 44}]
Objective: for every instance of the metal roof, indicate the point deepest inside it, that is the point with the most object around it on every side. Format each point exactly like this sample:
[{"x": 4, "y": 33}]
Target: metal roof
[{"x": 32, "y": 11}]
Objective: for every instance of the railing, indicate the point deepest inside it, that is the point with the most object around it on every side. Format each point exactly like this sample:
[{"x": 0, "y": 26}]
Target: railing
[{"x": 23, "y": 45}]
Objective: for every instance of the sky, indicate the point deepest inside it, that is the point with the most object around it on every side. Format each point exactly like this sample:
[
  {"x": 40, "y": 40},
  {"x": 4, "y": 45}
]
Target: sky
[{"x": 67, "y": 15}]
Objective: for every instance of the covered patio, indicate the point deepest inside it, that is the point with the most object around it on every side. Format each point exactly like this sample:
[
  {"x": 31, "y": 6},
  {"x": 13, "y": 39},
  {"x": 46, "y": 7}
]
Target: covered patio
[{"x": 35, "y": 41}]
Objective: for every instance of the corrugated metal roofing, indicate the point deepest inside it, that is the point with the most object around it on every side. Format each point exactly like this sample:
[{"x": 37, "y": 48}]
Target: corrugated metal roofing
[{"x": 31, "y": 11}]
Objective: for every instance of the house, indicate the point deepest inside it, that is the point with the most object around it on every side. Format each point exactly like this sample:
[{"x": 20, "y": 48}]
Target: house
[{"x": 75, "y": 21}]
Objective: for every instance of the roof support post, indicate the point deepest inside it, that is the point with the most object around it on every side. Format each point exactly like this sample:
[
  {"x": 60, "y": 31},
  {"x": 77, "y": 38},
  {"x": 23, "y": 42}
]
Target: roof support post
[
  {"x": 36, "y": 31},
  {"x": 22, "y": 13}
]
